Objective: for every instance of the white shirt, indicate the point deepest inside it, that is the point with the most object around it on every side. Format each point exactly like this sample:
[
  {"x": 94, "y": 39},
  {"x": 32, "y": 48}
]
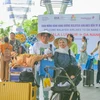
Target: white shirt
[
  {"x": 31, "y": 49},
  {"x": 38, "y": 49}
]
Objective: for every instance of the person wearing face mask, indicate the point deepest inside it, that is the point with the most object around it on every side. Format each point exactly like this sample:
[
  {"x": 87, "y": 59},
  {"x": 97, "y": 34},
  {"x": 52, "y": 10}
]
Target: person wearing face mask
[{"x": 83, "y": 51}]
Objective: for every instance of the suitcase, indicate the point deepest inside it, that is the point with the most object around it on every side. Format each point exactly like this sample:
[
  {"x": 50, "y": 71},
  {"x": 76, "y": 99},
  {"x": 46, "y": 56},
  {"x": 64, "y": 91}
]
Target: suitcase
[
  {"x": 90, "y": 62},
  {"x": 88, "y": 77},
  {"x": 17, "y": 91}
]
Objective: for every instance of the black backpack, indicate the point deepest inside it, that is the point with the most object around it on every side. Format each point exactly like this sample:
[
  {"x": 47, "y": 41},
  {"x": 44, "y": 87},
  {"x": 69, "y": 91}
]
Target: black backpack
[{"x": 28, "y": 76}]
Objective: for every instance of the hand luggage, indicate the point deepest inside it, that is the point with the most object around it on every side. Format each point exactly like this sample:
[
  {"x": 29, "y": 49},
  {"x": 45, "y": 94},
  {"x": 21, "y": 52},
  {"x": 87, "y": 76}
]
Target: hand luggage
[
  {"x": 88, "y": 73},
  {"x": 89, "y": 63},
  {"x": 88, "y": 77}
]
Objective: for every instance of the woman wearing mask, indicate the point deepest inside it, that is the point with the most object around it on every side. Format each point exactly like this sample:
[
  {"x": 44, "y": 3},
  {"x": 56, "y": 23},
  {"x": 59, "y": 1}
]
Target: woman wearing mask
[{"x": 83, "y": 55}]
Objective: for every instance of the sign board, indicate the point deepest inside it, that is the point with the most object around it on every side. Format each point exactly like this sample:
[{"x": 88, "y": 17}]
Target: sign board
[{"x": 77, "y": 24}]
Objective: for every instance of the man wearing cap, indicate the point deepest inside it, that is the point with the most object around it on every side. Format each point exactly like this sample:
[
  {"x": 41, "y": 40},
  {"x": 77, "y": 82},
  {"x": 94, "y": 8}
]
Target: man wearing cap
[{"x": 38, "y": 48}]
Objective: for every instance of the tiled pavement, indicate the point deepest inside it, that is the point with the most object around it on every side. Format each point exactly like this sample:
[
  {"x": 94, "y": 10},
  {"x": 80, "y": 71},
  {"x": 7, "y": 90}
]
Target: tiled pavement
[{"x": 89, "y": 93}]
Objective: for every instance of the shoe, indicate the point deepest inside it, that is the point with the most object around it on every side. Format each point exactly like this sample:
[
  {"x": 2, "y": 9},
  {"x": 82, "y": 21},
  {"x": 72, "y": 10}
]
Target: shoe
[{"x": 97, "y": 85}]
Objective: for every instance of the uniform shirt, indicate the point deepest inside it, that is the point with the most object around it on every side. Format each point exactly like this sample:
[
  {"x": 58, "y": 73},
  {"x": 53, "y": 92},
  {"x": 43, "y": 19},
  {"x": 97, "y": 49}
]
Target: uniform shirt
[
  {"x": 74, "y": 48},
  {"x": 4, "y": 46}
]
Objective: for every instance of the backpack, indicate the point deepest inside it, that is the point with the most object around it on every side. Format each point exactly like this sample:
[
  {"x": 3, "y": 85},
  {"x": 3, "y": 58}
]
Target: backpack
[
  {"x": 28, "y": 76},
  {"x": 7, "y": 55}
]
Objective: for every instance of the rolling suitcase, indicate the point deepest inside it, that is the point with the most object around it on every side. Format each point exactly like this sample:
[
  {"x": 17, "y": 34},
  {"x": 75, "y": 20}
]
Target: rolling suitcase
[
  {"x": 17, "y": 91},
  {"x": 88, "y": 77}
]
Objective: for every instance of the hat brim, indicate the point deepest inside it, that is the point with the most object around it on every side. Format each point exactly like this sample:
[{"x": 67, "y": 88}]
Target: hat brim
[
  {"x": 57, "y": 39},
  {"x": 51, "y": 38}
]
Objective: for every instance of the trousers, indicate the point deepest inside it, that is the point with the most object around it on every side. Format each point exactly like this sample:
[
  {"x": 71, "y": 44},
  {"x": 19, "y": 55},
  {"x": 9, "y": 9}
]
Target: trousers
[
  {"x": 98, "y": 73},
  {"x": 4, "y": 70},
  {"x": 45, "y": 93}
]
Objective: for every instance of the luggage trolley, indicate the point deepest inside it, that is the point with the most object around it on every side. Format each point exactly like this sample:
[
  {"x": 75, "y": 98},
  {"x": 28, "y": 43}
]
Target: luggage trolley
[{"x": 15, "y": 81}]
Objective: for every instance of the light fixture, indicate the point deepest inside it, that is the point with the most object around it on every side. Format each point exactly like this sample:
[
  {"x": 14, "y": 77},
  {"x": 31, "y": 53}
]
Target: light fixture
[{"x": 51, "y": 4}]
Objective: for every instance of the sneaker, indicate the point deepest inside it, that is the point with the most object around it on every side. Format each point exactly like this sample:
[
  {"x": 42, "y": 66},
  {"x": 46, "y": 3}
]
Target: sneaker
[{"x": 97, "y": 85}]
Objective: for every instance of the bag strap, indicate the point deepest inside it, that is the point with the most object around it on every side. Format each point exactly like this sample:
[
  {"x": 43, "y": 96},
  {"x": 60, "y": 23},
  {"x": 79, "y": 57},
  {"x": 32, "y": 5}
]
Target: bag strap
[
  {"x": 35, "y": 78},
  {"x": 69, "y": 52}
]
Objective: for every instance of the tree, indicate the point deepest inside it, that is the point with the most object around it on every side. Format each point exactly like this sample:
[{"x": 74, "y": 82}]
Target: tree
[
  {"x": 4, "y": 31},
  {"x": 30, "y": 26}
]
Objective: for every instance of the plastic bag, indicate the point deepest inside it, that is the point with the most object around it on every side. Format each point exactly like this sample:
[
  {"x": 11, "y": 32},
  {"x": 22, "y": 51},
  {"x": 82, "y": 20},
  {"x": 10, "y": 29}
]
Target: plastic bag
[{"x": 47, "y": 84}]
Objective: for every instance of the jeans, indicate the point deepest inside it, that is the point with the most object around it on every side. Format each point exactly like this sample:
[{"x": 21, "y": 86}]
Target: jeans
[
  {"x": 45, "y": 93},
  {"x": 98, "y": 73}
]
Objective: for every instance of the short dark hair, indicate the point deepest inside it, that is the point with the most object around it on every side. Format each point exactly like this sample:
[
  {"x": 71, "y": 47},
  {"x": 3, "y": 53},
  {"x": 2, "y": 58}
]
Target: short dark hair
[
  {"x": 6, "y": 39},
  {"x": 98, "y": 42},
  {"x": 12, "y": 33},
  {"x": 71, "y": 35}
]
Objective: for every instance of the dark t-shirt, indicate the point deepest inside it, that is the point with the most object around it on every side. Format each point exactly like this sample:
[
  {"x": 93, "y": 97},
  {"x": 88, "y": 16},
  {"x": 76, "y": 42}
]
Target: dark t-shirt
[{"x": 16, "y": 44}]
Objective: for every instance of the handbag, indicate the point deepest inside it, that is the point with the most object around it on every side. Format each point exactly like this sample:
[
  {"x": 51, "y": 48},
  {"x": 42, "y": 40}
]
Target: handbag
[{"x": 43, "y": 65}]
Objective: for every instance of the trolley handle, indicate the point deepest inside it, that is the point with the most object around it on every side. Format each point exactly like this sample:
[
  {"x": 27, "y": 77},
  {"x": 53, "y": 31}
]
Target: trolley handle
[{"x": 53, "y": 68}]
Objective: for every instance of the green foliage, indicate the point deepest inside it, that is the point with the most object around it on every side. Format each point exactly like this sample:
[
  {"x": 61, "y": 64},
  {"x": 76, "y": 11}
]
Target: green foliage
[
  {"x": 4, "y": 31},
  {"x": 31, "y": 26},
  {"x": 1, "y": 22},
  {"x": 46, "y": 12}
]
